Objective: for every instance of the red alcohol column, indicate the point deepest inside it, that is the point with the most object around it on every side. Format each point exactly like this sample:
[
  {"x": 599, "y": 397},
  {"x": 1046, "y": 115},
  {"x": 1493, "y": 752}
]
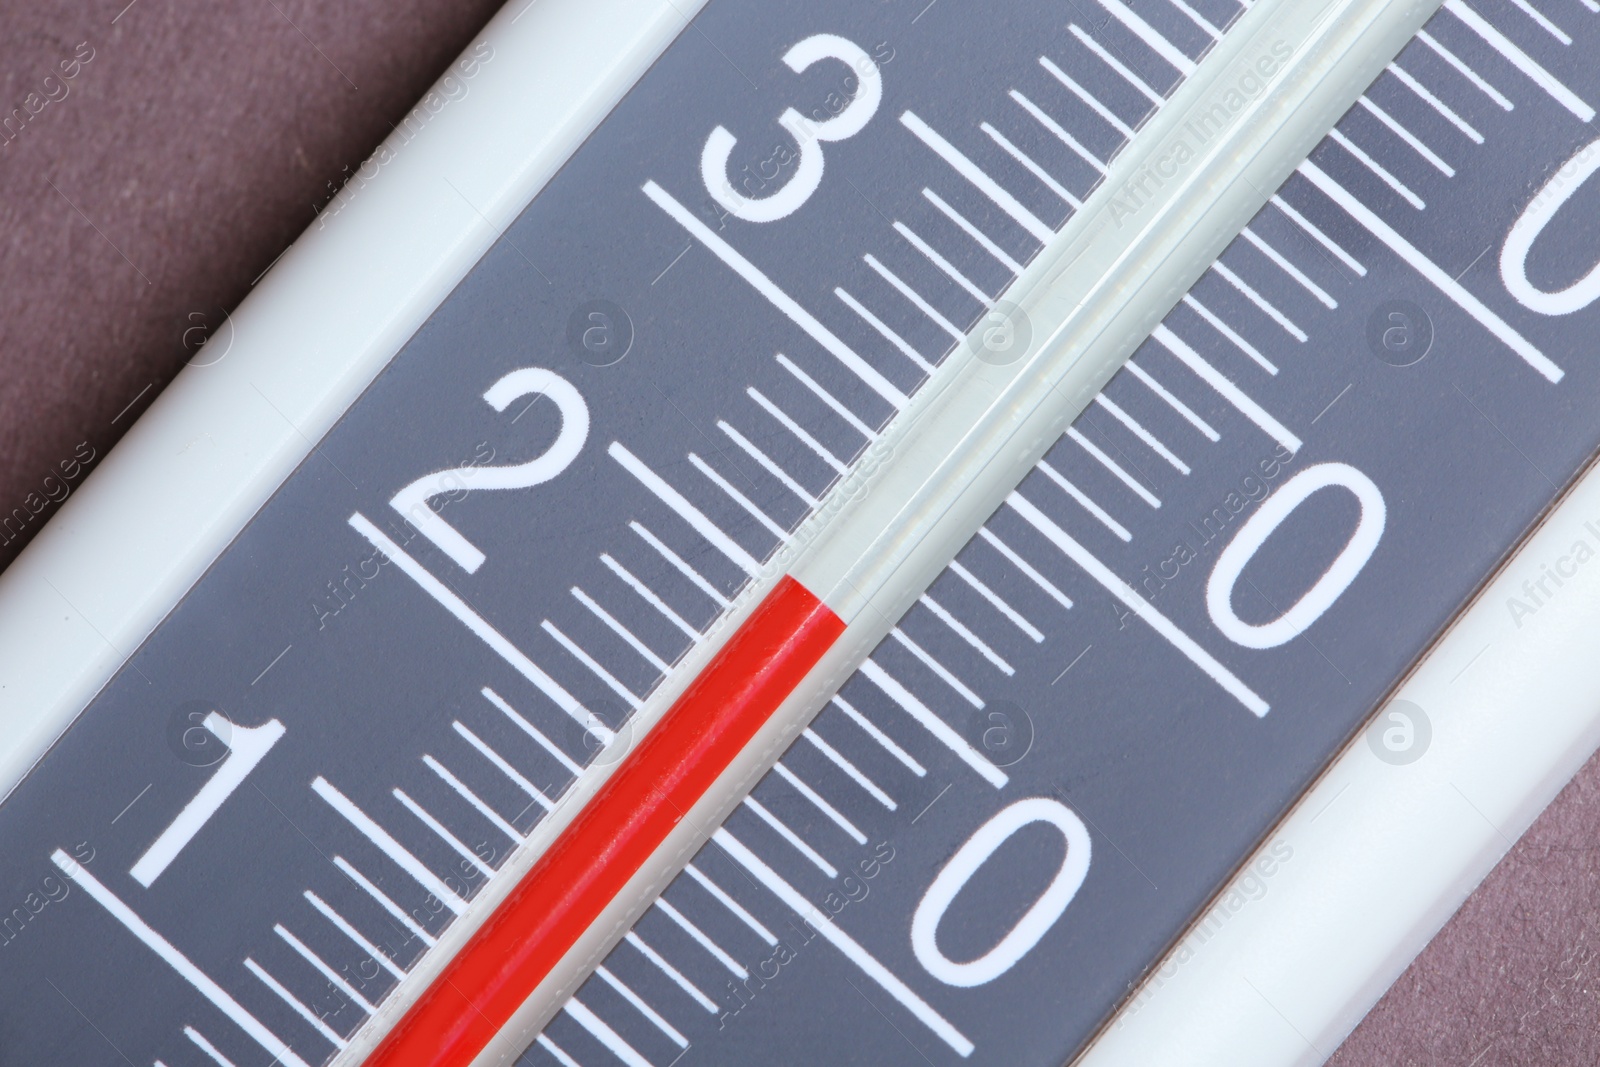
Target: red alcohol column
[{"x": 616, "y": 834}]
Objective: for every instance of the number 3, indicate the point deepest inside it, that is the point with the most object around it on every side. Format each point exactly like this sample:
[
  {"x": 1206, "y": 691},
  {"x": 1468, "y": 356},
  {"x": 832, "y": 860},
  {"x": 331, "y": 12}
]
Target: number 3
[
  {"x": 807, "y": 134},
  {"x": 412, "y": 501}
]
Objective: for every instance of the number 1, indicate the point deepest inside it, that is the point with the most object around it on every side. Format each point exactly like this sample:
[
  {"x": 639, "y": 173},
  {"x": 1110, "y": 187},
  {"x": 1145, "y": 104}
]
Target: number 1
[{"x": 247, "y": 746}]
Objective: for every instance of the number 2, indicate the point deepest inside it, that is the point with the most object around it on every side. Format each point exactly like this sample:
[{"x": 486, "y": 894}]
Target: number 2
[{"x": 412, "y": 501}]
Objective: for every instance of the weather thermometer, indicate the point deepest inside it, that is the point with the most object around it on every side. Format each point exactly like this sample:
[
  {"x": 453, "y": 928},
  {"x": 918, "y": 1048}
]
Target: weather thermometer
[{"x": 883, "y": 533}]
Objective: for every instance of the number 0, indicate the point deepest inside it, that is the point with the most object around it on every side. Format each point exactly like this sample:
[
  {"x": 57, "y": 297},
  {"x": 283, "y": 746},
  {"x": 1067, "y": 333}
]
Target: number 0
[
  {"x": 1334, "y": 581},
  {"x": 1538, "y": 214},
  {"x": 1033, "y": 925}
]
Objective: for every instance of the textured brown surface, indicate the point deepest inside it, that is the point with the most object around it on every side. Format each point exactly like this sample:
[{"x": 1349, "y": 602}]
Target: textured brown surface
[
  {"x": 193, "y": 147},
  {"x": 186, "y": 154},
  {"x": 1513, "y": 980}
]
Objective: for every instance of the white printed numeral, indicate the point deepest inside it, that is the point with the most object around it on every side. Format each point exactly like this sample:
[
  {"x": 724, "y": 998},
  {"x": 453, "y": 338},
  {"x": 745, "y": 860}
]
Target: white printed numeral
[
  {"x": 807, "y": 133},
  {"x": 1035, "y": 922},
  {"x": 1333, "y": 582},
  {"x": 1526, "y": 230},
  {"x": 247, "y": 746},
  {"x": 412, "y": 501}
]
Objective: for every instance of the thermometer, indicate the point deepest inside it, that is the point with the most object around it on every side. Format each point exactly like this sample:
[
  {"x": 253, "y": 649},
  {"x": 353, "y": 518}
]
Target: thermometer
[{"x": 830, "y": 535}]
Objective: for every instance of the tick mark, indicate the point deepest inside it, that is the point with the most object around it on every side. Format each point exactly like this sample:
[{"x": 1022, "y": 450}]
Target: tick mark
[{"x": 271, "y": 665}]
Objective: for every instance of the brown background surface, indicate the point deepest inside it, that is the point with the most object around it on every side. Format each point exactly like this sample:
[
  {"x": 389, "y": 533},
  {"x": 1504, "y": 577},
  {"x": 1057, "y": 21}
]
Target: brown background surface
[{"x": 197, "y": 144}]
